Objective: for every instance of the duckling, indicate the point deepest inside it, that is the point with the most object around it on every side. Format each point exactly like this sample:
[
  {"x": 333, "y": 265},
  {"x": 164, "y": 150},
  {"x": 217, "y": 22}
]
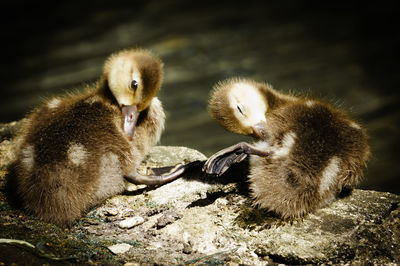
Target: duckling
[
  {"x": 306, "y": 153},
  {"x": 79, "y": 149}
]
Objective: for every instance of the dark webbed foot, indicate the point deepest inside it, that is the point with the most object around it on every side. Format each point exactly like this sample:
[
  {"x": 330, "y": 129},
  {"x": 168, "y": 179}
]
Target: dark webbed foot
[
  {"x": 161, "y": 175},
  {"x": 220, "y": 164},
  {"x": 221, "y": 161}
]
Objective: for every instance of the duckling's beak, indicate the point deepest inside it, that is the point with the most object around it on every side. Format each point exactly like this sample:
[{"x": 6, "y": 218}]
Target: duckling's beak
[
  {"x": 131, "y": 115},
  {"x": 260, "y": 130}
]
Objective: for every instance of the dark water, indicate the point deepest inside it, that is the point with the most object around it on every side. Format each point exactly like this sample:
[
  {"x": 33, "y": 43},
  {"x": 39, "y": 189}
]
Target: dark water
[{"x": 345, "y": 54}]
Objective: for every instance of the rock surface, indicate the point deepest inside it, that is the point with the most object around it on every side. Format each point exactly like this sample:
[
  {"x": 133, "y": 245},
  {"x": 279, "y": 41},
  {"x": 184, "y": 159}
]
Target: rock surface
[
  {"x": 119, "y": 248},
  {"x": 131, "y": 222},
  {"x": 199, "y": 220}
]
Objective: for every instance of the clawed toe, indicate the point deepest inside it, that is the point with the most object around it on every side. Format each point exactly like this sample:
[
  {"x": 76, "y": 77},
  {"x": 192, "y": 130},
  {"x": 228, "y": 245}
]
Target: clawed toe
[{"x": 218, "y": 165}]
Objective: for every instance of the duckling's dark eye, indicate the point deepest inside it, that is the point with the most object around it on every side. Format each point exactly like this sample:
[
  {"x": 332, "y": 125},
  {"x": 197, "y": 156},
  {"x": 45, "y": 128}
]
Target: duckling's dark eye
[
  {"x": 134, "y": 84},
  {"x": 240, "y": 110}
]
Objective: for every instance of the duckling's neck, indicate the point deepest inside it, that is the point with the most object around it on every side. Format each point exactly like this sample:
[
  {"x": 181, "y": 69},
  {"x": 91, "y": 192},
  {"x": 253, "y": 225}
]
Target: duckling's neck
[
  {"x": 103, "y": 90},
  {"x": 277, "y": 100}
]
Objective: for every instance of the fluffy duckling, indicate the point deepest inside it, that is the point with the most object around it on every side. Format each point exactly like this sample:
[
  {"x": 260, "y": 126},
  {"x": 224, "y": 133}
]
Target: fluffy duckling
[
  {"x": 76, "y": 150},
  {"x": 307, "y": 151}
]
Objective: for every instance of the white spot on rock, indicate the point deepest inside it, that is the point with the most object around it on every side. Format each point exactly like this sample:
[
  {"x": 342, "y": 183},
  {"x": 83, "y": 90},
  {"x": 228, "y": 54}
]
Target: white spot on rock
[
  {"x": 329, "y": 174},
  {"x": 77, "y": 153},
  {"x": 111, "y": 212},
  {"x": 119, "y": 248},
  {"x": 131, "y": 222},
  {"x": 28, "y": 157},
  {"x": 132, "y": 264},
  {"x": 53, "y": 103}
]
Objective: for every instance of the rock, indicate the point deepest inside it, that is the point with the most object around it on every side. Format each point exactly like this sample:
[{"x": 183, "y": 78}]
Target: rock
[
  {"x": 187, "y": 248},
  {"x": 199, "y": 220},
  {"x": 160, "y": 156},
  {"x": 131, "y": 222},
  {"x": 89, "y": 221},
  {"x": 120, "y": 248},
  {"x": 179, "y": 191},
  {"x": 111, "y": 212},
  {"x": 131, "y": 264},
  {"x": 167, "y": 218}
]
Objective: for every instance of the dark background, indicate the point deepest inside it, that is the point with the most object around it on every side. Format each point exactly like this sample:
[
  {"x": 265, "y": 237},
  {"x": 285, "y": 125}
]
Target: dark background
[{"x": 346, "y": 54}]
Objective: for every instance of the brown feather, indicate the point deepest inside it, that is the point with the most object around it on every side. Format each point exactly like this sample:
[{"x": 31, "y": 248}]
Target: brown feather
[
  {"x": 74, "y": 152},
  {"x": 325, "y": 150}
]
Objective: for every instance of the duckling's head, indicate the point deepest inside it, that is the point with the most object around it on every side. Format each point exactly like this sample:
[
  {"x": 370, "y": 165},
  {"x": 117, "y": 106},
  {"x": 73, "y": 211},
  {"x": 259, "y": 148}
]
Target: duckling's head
[
  {"x": 134, "y": 77},
  {"x": 240, "y": 106}
]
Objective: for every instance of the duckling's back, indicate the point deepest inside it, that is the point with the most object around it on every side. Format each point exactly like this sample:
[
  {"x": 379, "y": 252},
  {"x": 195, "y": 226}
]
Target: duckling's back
[
  {"x": 317, "y": 151},
  {"x": 68, "y": 146}
]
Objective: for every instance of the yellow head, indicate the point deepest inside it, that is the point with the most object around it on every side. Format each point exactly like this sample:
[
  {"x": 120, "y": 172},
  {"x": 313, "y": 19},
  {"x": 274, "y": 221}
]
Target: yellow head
[
  {"x": 134, "y": 77},
  {"x": 240, "y": 106}
]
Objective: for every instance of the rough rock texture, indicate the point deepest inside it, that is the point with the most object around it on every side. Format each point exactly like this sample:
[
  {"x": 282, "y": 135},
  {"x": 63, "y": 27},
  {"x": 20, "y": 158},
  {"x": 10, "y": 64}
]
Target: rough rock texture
[{"x": 199, "y": 220}]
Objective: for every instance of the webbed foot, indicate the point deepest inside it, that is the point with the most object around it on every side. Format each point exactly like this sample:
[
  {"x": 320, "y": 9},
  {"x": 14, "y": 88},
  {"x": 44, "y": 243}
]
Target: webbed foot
[
  {"x": 221, "y": 161},
  {"x": 160, "y": 176}
]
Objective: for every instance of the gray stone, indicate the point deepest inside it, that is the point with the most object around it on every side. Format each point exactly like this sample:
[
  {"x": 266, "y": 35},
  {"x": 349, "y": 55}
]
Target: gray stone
[
  {"x": 168, "y": 218},
  {"x": 160, "y": 156},
  {"x": 111, "y": 212},
  {"x": 131, "y": 222},
  {"x": 120, "y": 248}
]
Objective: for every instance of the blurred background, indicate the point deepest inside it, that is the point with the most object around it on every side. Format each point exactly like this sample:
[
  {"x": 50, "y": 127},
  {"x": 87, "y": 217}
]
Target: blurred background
[{"x": 346, "y": 54}]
